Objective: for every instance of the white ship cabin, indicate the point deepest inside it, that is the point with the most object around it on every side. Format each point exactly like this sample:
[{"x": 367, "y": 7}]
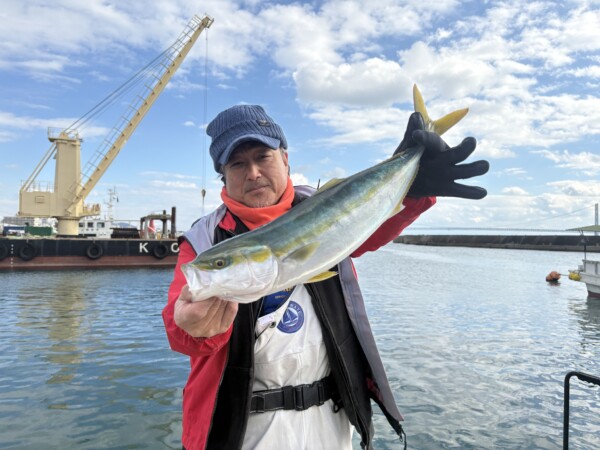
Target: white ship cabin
[{"x": 98, "y": 228}]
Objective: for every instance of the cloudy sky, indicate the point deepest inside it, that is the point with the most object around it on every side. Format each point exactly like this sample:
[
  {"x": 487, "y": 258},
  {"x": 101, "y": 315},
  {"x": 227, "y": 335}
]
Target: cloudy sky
[{"x": 337, "y": 75}]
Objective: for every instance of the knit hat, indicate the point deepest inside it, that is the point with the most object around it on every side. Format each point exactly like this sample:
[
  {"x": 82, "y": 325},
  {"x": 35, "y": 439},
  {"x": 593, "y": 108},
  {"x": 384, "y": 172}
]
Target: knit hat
[{"x": 239, "y": 124}]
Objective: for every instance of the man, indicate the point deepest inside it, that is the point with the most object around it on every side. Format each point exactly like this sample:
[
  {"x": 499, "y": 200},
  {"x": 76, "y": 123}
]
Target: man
[{"x": 298, "y": 368}]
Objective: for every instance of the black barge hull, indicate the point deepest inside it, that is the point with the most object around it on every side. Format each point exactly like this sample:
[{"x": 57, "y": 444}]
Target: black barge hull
[{"x": 77, "y": 253}]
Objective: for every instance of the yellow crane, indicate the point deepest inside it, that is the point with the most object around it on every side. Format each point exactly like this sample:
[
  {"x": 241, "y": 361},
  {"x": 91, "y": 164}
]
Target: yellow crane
[{"x": 65, "y": 201}]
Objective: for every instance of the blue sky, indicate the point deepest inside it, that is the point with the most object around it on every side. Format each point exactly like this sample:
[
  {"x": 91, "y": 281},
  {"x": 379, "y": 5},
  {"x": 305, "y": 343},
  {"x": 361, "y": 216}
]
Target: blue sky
[{"x": 336, "y": 75}]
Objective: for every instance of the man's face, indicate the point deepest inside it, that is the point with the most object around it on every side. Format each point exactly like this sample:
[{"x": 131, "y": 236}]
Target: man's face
[{"x": 256, "y": 175}]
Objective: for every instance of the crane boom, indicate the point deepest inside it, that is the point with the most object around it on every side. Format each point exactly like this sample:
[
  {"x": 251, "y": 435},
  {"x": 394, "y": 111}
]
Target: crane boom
[{"x": 72, "y": 185}]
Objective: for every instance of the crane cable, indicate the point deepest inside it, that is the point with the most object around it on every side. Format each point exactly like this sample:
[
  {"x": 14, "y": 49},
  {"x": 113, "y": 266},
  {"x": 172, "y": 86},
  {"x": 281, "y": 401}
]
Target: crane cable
[
  {"x": 126, "y": 87},
  {"x": 204, "y": 120}
]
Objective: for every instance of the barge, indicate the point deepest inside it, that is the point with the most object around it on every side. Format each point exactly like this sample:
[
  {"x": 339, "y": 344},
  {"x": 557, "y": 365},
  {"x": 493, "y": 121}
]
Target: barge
[{"x": 125, "y": 248}]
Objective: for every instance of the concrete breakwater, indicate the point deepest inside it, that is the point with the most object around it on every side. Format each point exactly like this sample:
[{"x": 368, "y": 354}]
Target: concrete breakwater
[{"x": 523, "y": 242}]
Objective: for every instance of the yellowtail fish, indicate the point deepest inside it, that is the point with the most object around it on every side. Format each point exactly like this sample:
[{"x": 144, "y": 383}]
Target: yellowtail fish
[{"x": 305, "y": 243}]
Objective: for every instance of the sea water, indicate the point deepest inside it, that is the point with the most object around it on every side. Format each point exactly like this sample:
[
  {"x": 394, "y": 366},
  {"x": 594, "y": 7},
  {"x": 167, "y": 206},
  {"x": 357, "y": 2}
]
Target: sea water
[{"x": 475, "y": 342}]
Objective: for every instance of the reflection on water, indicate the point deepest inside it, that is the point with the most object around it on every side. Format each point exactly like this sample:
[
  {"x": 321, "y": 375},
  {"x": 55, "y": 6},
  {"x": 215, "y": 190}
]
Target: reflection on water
[
  {"x": 588, "y": 314},
  {"x": 475, "y": 342},
  {"x": 477, "y": 345},
  {"x": 85, "y": 363},
  {"x": 63, "y": 301}
]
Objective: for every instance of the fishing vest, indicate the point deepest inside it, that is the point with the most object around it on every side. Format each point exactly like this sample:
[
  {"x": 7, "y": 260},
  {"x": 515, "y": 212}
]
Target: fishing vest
[{"x": 353, "y": 357}]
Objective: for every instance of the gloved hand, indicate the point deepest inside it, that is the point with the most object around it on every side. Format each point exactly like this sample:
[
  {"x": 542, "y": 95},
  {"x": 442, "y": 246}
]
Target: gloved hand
[{"x": 439, "y": 168}]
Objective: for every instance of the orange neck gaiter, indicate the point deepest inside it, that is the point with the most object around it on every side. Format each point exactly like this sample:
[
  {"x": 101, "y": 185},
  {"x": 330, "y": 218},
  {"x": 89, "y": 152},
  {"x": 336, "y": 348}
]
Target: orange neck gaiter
[{"x": 256, "y": 217}]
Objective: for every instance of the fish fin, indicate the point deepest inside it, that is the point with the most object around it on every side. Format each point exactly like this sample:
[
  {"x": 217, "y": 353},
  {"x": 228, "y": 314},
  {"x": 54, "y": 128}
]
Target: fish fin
[
  {"x": 322, "y": 276},
  {"x": 331, "y": 183},
  {"x": 303, "y": 253},
  {"x": 399, "y": 207},
  {"x": 420, "y": 104},
  {"x": 439, "y": 126}
]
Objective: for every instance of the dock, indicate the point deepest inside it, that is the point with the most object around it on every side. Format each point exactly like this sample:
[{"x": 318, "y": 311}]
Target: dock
[{"x": 565, "y": 243}]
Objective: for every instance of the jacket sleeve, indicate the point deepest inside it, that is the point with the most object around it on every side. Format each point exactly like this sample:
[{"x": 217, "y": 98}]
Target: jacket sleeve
[
  {"x": 391, "y": 228},
  {"x": 179, "y": 340}
]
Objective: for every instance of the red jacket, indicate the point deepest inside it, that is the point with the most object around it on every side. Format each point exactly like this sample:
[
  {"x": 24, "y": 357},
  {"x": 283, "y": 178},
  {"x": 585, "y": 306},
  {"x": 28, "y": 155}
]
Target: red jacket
[{"x": 208, "y": 356}]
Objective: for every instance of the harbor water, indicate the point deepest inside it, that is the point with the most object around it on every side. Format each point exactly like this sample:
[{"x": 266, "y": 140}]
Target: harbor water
[{"x": 475, "y": 342}]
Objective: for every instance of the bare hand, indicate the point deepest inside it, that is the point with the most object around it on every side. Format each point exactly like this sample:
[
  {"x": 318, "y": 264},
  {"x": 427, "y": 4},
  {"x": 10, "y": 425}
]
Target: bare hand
[{"x": 206, "y": 318}]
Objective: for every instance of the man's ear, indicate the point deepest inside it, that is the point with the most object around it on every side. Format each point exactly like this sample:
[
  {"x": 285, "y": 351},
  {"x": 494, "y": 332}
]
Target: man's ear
[{"x": 284, "y": 155}]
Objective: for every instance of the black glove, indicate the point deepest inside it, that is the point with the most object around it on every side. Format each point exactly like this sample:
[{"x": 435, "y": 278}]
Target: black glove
[{"x": 438, "y": 168}]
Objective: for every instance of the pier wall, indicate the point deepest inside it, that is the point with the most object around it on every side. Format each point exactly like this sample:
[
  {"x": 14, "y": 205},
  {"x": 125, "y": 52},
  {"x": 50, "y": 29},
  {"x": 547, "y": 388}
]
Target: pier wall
[{"x": 523, "y": 242}]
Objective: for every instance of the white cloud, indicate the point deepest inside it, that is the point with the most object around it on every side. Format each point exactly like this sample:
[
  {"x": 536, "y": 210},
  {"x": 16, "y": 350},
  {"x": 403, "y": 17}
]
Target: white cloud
[
  {"x": 584, "y": 162},
  {"x": 577, "y": 188},
  {"x": 299, "y": 179},
  {"x": 174, "y": 184},
  {"x": 372, "y": 82},
  {"x": 514, "y": 190},
  {"x": 511, "y": 171},
  {"x": 335, "y": 172},
  {"x": 354, "y": 126}
]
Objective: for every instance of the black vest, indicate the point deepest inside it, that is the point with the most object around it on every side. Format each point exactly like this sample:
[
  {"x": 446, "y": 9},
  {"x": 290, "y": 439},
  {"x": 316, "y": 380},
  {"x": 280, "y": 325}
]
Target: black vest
[{"x": 352, "y": 374}]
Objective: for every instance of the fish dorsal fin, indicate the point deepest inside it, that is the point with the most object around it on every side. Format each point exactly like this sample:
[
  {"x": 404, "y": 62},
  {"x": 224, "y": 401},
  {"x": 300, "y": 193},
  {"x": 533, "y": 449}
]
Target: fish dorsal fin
[
  {"x": 331, "y": 183},
  {"x": 322, "y": 276},
  {"x": 439, "y": 126},
  {"x": 303, "y": 253}
]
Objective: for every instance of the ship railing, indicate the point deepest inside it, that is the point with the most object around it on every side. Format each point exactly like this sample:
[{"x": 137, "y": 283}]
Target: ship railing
[
  {"x": 60, "y": 133},
  {"x": 39, "y": 186}
]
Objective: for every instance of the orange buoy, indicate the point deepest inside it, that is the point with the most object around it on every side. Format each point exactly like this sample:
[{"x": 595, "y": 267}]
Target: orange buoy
[{"x": 553, "y": 277}]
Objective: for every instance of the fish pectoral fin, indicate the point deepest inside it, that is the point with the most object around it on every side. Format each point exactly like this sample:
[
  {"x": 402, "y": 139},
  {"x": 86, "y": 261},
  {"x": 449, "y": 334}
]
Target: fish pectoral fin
[
  {"x": 322, "y": 276},
  {"x": 331, "y": 183},
  {"x": 303, "y": 253}
]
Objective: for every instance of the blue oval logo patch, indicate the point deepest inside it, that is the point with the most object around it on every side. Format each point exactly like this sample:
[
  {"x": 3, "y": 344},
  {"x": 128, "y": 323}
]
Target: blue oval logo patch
[{"x": 293, "y": 318}]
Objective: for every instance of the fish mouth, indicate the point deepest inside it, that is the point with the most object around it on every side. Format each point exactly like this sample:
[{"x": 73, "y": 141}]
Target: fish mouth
[
  {"x": 198, "y": 283},
  {"x": 248, "y": 285}
]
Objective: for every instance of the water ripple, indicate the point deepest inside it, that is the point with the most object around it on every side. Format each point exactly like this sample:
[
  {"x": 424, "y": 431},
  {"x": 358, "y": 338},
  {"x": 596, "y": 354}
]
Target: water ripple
[{"x": 475, "y": 343}]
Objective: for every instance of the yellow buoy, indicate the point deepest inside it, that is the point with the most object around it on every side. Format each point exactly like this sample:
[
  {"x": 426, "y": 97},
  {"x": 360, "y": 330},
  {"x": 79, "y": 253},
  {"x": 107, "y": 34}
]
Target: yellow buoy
[{"x": 574, "y": 275}]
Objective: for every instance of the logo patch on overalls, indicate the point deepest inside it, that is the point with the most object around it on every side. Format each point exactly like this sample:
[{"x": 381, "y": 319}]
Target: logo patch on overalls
[{"x": 293, "y": 318}]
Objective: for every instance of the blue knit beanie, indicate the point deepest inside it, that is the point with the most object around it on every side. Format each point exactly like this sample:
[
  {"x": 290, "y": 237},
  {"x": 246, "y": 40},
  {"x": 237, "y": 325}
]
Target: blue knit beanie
[{"x": 239, "y": 124}]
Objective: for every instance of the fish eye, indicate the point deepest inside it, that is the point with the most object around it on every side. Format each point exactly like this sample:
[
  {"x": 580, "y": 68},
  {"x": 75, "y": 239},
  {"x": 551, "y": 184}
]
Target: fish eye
[{"x": 220, "y": 263}]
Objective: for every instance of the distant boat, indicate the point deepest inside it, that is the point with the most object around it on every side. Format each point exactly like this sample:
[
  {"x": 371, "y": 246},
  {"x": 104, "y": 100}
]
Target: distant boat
[{"x": 589, "y": 270}]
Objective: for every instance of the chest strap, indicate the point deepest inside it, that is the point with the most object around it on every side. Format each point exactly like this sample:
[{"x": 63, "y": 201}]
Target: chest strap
[{"x": 299, "y": 397}]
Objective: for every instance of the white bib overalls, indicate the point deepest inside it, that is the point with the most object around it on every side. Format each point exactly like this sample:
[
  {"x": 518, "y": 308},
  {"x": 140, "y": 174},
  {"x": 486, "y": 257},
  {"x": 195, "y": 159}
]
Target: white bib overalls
[{"x": 289, "y": 350}]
